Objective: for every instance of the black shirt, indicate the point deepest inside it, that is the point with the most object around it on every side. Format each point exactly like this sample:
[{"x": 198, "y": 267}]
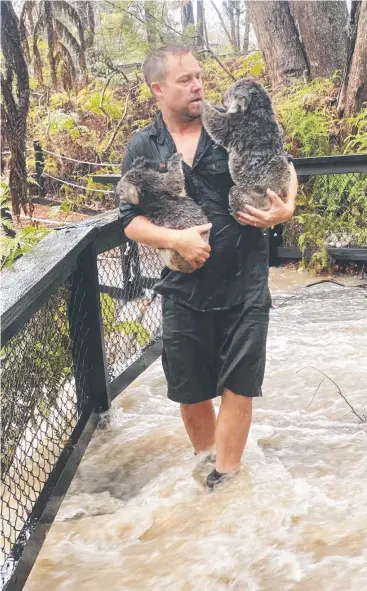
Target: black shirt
[{"x": 237, "y": 269}]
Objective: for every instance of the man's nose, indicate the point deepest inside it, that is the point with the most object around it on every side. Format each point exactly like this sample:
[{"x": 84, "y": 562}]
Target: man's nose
[{"x": 197, "y": 85}]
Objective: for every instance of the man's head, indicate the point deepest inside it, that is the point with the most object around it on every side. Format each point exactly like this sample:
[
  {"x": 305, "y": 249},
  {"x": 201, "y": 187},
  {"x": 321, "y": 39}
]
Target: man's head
[{"x": 174, "y": 77}]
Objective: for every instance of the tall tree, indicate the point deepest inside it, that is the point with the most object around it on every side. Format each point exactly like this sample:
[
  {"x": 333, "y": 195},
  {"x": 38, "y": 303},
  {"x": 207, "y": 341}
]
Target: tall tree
[
  {"x": 232, "y": 9},
  {"x": 278, "y": 38},
  {"x": 150, "y": 17},
  {"x": 353, "y": 92},
  {"x": 200, "y": 24},
  {"x": 15, "y": 105},
  {"x": 187, "y": 14},
  {"x": 322, "y": 27},
  {"x": 227, "y": 31},
  {"x": 246, "y": 34}
]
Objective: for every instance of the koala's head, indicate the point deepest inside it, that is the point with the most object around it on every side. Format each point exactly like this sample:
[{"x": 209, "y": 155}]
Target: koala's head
[
  {"x": 134, "y": 181},
  {"x": 143, "y": 177},
  {"x": 244, "y": 94}
]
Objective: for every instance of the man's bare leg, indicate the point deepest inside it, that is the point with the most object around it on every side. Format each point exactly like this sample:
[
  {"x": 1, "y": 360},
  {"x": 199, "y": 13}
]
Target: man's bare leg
[
  {"x": 233, "y": 425},
  {"x": 199, "y": 420}
]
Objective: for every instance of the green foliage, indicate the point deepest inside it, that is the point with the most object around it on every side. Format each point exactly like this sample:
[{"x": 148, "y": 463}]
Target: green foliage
[
  {"x": 252, "y": 65},
  {"x": 112, "y": 326},
  {"x": 309, "y": 121},
  {"x": 356, "y": 129},
  {"x": 13, "y": 248},
  {"x": 330, "y": 212}
]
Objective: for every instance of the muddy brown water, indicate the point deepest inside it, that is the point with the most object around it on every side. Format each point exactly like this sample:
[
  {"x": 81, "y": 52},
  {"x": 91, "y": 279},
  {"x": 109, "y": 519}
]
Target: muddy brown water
[{"x": 137, "y": 516}]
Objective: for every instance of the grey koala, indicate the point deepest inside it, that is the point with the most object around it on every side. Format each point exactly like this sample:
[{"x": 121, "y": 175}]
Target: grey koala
[
  {"x": 249, "y": 132},
  {"x": 163, "y": 200}
]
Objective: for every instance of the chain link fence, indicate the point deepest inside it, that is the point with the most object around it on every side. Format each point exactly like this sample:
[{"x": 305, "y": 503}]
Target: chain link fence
[
  {"x": 43, "y": 367},
  {"x": 39, "y": 409},
  {"x": 131, "y": 310}
]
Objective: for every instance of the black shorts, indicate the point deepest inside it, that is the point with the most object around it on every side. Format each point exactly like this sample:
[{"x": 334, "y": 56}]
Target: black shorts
[{"x": 206, "y": 352}]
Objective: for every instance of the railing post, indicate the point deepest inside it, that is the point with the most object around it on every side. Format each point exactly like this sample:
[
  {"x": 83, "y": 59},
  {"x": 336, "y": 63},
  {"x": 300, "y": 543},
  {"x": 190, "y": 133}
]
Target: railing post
[
  {"x": 86, "y": 332},
  {"x": 39, "y": 160},
  {"x": 275, "y": 238}
]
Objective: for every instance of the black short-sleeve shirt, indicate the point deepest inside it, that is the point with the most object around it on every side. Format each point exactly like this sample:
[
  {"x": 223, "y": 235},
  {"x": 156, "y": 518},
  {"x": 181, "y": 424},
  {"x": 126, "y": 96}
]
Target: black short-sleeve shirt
[{"x": 237, "y": 269}]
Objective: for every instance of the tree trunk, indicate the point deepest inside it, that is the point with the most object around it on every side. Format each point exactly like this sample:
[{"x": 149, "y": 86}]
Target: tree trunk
[
  {"x": 150, "y": 23},
  {"x": 322, "y": 27},
  {"x": 278, "y": 39},
  {"x": 230, "y": 7},
  {"x": 237, "y": 11},
  {"x": 187, "y": 14},
  {"x": 354, "y": 89},
  {"x": 188, "y": 22},
  {"x": 200, "y": 18},
  {"x": 246, "y": 34},
  {"x": 50, "y": 42},
  {"x": 225, "y": 29},
  {"x": 15, "y": 105}
]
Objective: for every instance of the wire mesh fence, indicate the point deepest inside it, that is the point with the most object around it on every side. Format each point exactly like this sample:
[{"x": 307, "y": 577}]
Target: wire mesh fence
[
  {"x": 40, "y": 409},
  {"x": 131, "y": 310}
]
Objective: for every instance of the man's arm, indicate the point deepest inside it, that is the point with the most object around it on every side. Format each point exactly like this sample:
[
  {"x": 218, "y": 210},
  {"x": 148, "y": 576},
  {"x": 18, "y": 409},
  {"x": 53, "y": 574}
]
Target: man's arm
[
  {"x": 279, "y": 211},
  {"x": 188, "y": 243}
]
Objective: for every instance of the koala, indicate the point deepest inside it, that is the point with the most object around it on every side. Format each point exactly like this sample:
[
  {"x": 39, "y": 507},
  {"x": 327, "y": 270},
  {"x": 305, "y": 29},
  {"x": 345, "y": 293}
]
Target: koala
[
  {"x": 249, "y": 132},
  {"x": 163, "y": 199}
]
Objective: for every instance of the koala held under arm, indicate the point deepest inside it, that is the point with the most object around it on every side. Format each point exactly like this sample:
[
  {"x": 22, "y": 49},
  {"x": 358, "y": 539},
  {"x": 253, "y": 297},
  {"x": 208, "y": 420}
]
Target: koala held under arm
[{"x": 163, "y": 200}]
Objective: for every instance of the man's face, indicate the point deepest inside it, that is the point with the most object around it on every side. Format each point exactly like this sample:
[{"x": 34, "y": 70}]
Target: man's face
[{"x": 181, "y": 91}]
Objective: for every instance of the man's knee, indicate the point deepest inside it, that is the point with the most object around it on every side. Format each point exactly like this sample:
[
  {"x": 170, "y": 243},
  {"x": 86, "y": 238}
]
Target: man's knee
[
  {"x": 241, "y": 402},
  {"x": 196, "y": 407}
]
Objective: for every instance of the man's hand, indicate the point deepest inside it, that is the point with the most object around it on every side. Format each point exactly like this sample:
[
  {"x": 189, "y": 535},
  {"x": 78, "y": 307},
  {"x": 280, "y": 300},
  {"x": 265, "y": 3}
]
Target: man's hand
[
  {"x": 279, "y": 211},
  {"x": 191, "y": 246}
]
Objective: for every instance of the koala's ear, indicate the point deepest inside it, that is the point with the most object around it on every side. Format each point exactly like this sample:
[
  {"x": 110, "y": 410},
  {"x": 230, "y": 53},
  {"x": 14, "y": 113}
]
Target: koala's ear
[{"x": 241, "y": 100}]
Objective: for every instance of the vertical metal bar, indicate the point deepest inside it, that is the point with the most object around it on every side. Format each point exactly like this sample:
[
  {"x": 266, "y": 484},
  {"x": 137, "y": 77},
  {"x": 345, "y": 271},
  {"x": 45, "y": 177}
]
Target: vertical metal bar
[{"x": 86, "y": 332}]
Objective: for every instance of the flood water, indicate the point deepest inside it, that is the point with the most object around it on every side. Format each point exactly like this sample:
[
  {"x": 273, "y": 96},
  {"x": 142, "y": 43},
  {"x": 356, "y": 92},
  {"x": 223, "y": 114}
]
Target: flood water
[{"x": 137, "y": 515}]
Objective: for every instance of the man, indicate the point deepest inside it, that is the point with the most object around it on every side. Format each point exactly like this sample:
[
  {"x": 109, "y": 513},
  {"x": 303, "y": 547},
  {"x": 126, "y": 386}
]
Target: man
[{"x": 215, "y": 319}]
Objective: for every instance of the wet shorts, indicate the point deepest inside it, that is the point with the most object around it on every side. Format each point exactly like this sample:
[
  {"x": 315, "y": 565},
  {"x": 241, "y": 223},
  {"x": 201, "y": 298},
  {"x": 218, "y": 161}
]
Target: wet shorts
[{"x": 206, "y": 352}]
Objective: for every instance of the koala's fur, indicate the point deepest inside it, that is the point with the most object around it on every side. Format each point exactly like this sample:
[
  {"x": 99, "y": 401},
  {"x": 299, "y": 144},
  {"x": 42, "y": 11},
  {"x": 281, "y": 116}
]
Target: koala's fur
[
  {"x": 249, "y": 132},
  {"x": 163, "y": 200}
]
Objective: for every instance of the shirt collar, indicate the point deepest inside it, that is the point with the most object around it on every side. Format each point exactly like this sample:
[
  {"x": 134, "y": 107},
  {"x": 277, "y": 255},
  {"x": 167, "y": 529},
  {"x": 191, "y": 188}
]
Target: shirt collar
[{"x": 159, "y": 129}]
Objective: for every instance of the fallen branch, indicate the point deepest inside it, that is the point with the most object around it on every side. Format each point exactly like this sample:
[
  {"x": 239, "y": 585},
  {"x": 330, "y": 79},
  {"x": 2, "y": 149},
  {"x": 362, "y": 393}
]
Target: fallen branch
[{"x": 361, "y": 418}]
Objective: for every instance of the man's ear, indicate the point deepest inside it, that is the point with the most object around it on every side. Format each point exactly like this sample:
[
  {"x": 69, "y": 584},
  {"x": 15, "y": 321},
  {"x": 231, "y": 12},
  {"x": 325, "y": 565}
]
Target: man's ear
[{"x": 156, "y": 88}]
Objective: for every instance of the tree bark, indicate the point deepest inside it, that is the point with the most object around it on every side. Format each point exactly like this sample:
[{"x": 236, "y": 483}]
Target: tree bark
[
  {"x": 225, "y": 29},
  {"x": 50, "y": 42},
  {"x": 15, "y": 106},
  {"x": 187, "y": 14},
  {"x": 322, "y": 27},
  {"x": 278, "y": 39},
  {"x": 354, "y": 90},
  {"x": 246, "y": 34},
  {"x": 200, "y": 18}
]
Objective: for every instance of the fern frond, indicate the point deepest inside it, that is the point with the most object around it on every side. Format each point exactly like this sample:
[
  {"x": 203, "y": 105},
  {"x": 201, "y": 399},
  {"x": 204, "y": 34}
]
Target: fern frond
[{"x": 64, "y": 33}]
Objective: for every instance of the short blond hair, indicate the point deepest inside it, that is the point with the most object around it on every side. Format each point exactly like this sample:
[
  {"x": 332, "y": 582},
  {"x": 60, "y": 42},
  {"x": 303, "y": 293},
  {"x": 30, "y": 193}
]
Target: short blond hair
[{"x": 154, "y": 64}]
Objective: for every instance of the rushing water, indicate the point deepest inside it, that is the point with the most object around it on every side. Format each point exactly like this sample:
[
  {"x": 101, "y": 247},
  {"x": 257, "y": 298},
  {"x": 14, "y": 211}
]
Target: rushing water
[{"x": 138, "y": 517}]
